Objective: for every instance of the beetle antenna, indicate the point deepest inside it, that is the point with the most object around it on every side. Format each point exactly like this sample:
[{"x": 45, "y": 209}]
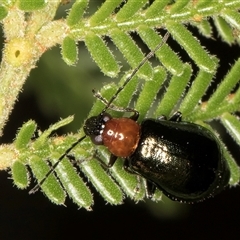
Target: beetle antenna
[
  {"x": 37, "y": 186},
  {"x": 108, "y": 104},
  {"x": 98, "y": 95},
  {"x": 147, "y": 57}
]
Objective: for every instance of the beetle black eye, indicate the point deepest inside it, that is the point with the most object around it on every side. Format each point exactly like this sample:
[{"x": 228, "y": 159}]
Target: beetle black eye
[{"x": 97, "y": 139}]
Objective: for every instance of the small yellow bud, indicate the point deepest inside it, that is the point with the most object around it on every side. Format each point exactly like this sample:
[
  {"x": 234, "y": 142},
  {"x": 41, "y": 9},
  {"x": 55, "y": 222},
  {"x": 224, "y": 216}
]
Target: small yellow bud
[{"x": 19, "y": 52}]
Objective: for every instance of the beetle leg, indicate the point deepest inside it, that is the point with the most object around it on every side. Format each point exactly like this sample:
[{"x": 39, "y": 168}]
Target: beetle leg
[
  {"x": 162, "y": 117},
  {"x": 126, "y": 167},
  {"x": 139, "y": 179},
  {"x": 176, "y": 117},
  {"x": 150, "y": 189},
  {"x": 111, "y": 162},
  {"x": 135, "y": 115}
]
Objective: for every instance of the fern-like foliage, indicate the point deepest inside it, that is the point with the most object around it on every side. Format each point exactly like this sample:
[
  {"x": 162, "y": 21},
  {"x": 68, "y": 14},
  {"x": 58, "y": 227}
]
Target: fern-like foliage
[{"x": 30, "y": 29}]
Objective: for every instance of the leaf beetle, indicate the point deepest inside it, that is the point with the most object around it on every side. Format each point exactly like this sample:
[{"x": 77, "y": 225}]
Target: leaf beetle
[{"x": 182, "y": 159}]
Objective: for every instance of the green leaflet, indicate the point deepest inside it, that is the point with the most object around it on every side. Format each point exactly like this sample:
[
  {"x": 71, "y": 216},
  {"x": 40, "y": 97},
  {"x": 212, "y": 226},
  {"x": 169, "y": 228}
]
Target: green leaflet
[{"x": 161, "y": 90}]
